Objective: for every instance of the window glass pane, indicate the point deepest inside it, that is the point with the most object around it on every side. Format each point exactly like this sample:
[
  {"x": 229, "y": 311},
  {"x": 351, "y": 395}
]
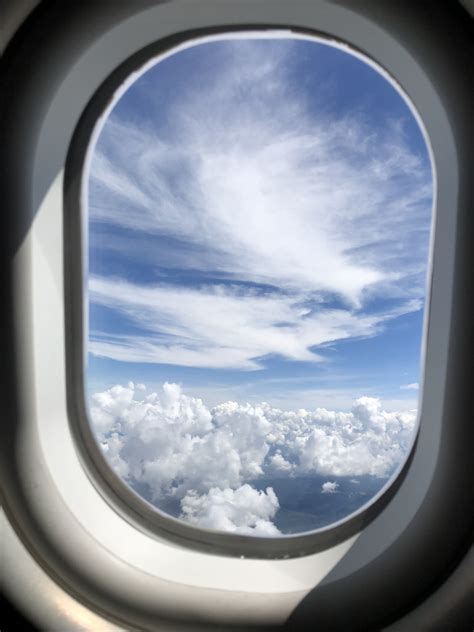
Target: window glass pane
[{"x": 259, "y": 213}]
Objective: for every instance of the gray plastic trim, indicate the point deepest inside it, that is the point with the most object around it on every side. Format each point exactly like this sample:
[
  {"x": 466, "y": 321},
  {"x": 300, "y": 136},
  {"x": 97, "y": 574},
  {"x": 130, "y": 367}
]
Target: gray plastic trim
[
  {"x": 115, "y": 490},
  {"x": 90, "y": 550}
]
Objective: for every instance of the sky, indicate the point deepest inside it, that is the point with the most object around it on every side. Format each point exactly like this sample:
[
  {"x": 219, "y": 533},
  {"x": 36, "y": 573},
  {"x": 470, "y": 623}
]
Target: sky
[{"x": 259, "y": 216}]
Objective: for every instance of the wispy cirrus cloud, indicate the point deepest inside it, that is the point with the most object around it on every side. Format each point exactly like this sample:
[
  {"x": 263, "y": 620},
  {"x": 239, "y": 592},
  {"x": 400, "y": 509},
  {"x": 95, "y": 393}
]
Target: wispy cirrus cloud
[
  {"x": 414, "y": 386},
  {"x": 255, "y": 185},
  {"x": 258, "y": 174},
  {"x": 223, "y": 326}
]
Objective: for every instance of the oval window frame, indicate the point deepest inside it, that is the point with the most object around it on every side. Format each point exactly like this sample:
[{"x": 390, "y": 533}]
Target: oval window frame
[
  {"x": 392, "y": 536},
  {"x": 113, "y": 488}
]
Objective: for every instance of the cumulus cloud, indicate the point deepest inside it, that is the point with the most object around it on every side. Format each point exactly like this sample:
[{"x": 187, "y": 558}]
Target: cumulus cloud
[
  {"x": 244, "y": 510},
  {"x": 173, "y": 443},
  {"x": 414, "y": 386},
  {"x": 268, "y": 189},
  {"x": 208, "y": 460},
  {"x": 278, "y": 463},
  {"x": 329, "y": 487}
]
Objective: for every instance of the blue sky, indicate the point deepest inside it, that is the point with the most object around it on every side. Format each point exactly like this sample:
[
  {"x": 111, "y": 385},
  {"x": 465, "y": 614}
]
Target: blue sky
[{"x": 259, "y": 223}]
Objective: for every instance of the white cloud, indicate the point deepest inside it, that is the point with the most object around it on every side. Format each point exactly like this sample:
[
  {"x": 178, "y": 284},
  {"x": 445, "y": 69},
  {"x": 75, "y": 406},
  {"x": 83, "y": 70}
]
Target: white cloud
[
  {"x": 244, "y": 510},
  {"x": 267, "y": 189},
  {"x": 223, "y": 327},
  {"x": 182, "y": 450},
  {"x": 368, "y": 440},
  {"x": 295, "y": 393},
  {"x": 278, "y": 463},
  {"x": 414, "y": 386},
  {"x": 278, "y": 195},
  {"x": 329, "y": 487},
  {"x": 173, "y": 443}
]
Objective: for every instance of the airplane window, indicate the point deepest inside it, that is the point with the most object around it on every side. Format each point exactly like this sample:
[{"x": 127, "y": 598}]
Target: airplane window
[
  {"x": 259, "y": 214},
  {"x": 241, "y": 219}
]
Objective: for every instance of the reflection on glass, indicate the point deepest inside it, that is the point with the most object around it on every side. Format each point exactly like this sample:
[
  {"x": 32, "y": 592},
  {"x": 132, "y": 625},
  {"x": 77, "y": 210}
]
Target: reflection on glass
[{"x": 259, "y": 216}]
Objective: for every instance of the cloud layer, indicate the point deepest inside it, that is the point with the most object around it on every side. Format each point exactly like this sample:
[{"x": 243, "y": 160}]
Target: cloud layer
[
  {"x": 267, "y": 210},
  {"x": 205, "y": 460},
  {"x": 224, "y": 327}
]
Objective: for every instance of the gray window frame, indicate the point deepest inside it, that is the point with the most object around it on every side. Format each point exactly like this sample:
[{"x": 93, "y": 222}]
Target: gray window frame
[{"x": 424, "y": 528}]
